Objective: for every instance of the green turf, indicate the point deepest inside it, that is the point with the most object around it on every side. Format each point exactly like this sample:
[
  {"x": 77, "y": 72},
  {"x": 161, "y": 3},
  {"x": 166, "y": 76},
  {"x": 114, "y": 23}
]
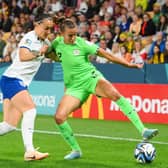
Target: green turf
[{"x": 97, "y": 153}]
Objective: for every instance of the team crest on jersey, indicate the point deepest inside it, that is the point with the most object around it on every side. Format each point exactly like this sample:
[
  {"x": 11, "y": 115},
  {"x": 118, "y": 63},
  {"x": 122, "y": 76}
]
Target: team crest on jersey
[
  {"x": 28, "y": 42},
  {"x": 76, "y": 52}
]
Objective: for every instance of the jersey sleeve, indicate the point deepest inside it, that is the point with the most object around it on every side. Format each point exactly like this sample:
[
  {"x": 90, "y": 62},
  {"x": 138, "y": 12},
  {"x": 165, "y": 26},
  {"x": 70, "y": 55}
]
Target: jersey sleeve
[
  {"x": 90, "y": 48},
  {"x": 26, "y": 42}
]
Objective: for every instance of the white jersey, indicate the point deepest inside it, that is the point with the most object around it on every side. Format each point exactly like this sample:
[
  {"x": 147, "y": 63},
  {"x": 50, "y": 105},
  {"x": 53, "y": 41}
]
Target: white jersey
[{"x": 25, "y": 70}]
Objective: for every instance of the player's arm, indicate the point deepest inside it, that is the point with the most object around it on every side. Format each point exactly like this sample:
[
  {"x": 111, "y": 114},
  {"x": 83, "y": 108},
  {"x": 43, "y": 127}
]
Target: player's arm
[
  {"x": 25, "y": 54},
  {"x": 52, "y": 55},
  {"x": 117, "y": 60}
]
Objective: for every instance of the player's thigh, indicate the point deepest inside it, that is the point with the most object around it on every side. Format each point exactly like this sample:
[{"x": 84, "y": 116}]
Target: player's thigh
[
  {"x": 23, "y": 101},
  {"x": 67, "y": 105},
  {"x": 10, "y": 114},
  {"x": 105, "y": 89}
]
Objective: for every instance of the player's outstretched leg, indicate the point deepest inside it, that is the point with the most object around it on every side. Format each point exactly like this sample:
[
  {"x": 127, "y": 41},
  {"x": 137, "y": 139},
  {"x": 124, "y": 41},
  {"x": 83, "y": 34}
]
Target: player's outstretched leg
[
  {"x": 130, "y": 112},
  {"x": 73, "y": 155},
  {"x": 149, "y": 133},
  {"x": 67, "y": 134}
]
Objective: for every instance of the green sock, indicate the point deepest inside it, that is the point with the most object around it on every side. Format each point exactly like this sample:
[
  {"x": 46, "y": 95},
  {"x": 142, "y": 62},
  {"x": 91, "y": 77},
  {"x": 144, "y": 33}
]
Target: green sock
[
  {"x": 67, "y": 134},
  {"x": 130, "y": 112}
]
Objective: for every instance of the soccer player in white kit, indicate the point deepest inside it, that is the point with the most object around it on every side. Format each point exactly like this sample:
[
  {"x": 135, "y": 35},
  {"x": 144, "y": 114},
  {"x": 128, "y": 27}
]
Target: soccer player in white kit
[{"x": 14, "y": 83}]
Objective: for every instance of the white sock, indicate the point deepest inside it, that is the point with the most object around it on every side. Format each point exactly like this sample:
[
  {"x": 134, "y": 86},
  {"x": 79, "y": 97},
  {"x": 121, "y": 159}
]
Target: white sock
[
  {"x": 6, "y": 128},
  {"x": 27, "y": 128}
]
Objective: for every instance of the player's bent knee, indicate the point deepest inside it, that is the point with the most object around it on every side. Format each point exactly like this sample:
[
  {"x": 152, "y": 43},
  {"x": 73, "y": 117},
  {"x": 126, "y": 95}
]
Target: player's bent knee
[
  {"x": 59, "y": 119},
  {"x": 114, "y": 95}
]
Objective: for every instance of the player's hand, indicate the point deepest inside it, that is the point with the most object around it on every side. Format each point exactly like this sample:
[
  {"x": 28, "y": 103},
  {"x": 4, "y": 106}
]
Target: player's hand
[
  {"x": 44, "y": 49},
  {"x": 139, "y": 66}
]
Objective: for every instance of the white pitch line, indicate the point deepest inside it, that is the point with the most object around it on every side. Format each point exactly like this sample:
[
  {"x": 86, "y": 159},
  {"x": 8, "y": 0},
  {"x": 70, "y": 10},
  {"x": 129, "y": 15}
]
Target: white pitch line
[{"x": 98, "y": 137}]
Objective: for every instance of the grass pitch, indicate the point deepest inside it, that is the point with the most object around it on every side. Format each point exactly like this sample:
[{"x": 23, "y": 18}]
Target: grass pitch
[{"x": 105, "y": 144}]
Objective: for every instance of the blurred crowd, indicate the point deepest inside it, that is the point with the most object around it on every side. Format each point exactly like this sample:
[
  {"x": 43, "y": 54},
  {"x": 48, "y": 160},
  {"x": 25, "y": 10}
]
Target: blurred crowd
[{"x": 136, "y": 30}]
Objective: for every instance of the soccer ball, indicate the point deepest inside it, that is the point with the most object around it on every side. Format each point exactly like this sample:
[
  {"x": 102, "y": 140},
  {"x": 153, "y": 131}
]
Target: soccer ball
[{"x": 145, "y": 152}]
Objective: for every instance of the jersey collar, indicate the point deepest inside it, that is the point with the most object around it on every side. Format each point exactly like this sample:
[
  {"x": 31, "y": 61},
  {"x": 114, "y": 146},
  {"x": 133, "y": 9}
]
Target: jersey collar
[{"x": 62, "y": 41}]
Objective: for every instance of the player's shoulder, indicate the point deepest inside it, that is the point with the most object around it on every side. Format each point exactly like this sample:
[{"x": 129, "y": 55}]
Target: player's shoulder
[
  {"x": 28, "y": 39},
  {"x": 80, "y": 39},
  {"x": 57, "y": 40},
  {"x": 30, "y": 35}
]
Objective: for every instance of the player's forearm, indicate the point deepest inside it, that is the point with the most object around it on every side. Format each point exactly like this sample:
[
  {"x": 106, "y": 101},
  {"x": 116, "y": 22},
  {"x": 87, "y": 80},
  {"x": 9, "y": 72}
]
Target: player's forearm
[
  {"x": 27, "y": 56},
  {"x": 112, "y": 58}
]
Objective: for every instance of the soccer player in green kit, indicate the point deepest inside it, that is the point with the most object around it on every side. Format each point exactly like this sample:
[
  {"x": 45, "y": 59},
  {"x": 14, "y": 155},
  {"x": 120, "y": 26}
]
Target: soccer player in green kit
[{"x": 82, "y": 79}]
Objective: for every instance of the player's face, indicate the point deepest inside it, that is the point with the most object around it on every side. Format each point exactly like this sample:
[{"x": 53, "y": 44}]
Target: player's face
[
  {"x": 70, "y": 35},
  {"x": 46, "y": 27}
]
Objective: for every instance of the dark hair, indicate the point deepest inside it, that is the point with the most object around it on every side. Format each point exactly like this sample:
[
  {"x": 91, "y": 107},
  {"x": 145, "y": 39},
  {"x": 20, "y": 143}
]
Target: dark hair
[
  {"x": 64, "y": 23},
  {"x": 39, "y": 18}
]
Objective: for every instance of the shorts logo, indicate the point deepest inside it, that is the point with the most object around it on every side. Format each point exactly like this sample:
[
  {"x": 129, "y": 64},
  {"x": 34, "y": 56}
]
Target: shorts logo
[
  {"x": 22, "y": 84},
  {"x": 76, "y": 52}
]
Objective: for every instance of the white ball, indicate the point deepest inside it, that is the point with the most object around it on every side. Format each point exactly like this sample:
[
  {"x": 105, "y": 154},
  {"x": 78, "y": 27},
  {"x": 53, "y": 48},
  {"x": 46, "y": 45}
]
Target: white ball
[{"x": 145, "y": 152}]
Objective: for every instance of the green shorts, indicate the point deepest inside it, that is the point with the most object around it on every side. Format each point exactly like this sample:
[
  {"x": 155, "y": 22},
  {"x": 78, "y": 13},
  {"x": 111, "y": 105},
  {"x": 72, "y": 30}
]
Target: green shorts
[{"x": 82, "y": 88}]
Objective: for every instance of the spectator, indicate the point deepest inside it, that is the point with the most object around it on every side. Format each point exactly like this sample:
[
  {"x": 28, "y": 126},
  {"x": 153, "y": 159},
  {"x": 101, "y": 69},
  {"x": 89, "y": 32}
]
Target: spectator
[
  {"x": 165, "y": 53},
  {"x": 125, "y": 24},
  {"x": 82, "y": 6},
  {"x": 116, "y": 50},
  {"x": 1, "y": 20},
  {"x": 56, "y": 6},
  {"x": 135, "y": 26},
  {"x": 25, "y": 7},
  {"x": 130, "y": 42},
  {"x": 2, "y": 46},
  {"x": 142, "y": 3},
  {"x": 28, "y": 24},
  {"x": 109, "y": 39},
  {"x": 117, "y": 13},
  {"x": 96, "y": 19},
  {"x": 139, "y": 53},
  {"x": 10, "y": 46},
  {"x": 157, "y": 57},
  {"x": 106, "y": 8},
  {"x": 106, "y": 21},
  {"x": 129, "y": 4},
  {"x": 94, "y": 38},
  {"x": 82, "y": 18},
  {"x": 150, "y": 5},
  {"x": 164, "y": 9},
  {"x": 103, "y": 45},
  {"x": 160, "y": 41},
  {"x": 156, "y": 14},
  {"x": 69, "y": 12},
  {"x": 83, "y": 30},
  {"x": 116, "y": 34},
  {"x": 139, "y": 11},
  {"x": 148, "y": 27},
  {"x": 124, "y": 52},
  {"x": 123, "y": 39},
  {"x": 15, "y": 9},
  {"x": 5, "y": 8},
  {"x": 7, "y": 23},
  {"x": 163, "y": 24},
  {"x": 94, "y": 29},
  {"x": 93, "y": 8}
]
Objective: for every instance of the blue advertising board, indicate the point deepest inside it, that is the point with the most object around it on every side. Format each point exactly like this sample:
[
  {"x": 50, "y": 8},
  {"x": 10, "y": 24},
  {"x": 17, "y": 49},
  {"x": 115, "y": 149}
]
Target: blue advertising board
[{"x": 46, "y": 95}]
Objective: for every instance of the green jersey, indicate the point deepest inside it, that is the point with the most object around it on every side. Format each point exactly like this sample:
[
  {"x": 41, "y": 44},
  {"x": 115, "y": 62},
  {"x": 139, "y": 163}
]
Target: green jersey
[{"x": 74, "y": 58}]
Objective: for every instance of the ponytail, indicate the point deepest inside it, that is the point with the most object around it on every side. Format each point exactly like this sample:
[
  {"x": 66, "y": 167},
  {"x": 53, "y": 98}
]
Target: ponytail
[{"x": 64, "y": 23}]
